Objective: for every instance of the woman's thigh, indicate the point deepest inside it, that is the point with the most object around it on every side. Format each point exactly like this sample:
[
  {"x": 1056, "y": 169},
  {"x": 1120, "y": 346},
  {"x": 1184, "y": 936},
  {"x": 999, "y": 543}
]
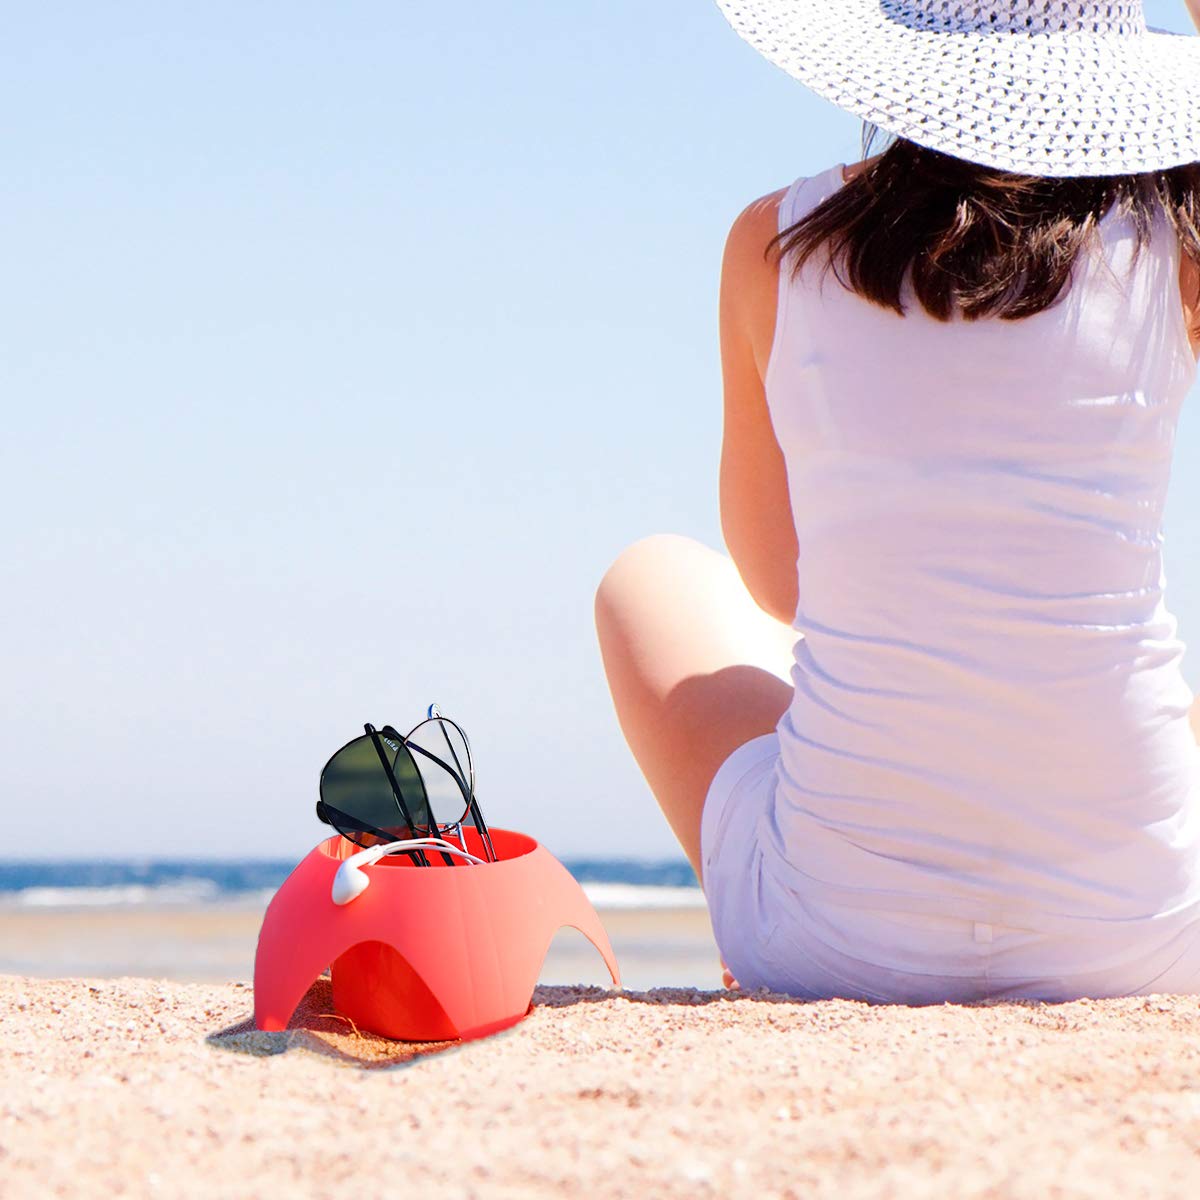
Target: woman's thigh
[{"x": 696, "y": 668}]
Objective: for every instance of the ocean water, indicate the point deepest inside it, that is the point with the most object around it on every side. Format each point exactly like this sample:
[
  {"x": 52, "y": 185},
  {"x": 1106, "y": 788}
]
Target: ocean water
[
  {"x": 610, "y": 883},
  {"x": 198, "y": 920}
]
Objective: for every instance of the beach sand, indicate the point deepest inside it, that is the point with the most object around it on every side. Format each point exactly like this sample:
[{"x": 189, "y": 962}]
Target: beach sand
[{"x": 137, "y": 1087}]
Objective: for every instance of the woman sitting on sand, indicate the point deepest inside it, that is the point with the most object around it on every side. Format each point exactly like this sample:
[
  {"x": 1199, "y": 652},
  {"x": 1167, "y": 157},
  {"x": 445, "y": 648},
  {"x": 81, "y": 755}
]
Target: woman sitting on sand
[{"x": 925, "y": 736}]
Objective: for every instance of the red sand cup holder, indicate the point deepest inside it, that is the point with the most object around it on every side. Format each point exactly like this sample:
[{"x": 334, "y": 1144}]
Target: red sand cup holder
[{"x": 425, "y": 954}]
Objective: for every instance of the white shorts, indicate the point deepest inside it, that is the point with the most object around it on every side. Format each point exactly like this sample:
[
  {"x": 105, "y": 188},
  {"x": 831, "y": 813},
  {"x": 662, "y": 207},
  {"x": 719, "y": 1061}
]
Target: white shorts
[{"x": 771, "y": 936}]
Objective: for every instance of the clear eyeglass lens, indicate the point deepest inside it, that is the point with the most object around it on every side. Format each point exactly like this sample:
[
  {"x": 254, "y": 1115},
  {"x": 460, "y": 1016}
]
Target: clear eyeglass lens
[{"x": 444, "y": 785}]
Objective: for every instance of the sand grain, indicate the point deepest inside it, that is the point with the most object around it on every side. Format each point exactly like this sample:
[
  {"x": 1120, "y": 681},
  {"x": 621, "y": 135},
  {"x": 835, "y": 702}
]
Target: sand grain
[{"x": 142, "y": 1088}]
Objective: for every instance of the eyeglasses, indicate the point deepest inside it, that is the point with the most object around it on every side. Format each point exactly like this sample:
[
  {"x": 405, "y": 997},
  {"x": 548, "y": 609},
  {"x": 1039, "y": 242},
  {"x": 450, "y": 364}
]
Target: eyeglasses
[{"x": 390, "y": 787}]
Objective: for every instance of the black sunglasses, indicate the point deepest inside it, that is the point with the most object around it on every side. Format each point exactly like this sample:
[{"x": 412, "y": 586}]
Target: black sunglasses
[{"x": 389, "y": 786}]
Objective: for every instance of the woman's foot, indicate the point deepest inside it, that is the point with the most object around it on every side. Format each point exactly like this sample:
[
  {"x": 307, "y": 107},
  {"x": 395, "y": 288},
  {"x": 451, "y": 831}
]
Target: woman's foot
[{"x": 727, "y": 978}]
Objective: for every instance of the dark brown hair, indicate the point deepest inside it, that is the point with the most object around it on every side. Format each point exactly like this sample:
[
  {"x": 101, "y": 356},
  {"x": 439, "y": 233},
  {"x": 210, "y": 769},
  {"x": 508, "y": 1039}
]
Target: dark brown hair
[{"x": 973, "y": 239}]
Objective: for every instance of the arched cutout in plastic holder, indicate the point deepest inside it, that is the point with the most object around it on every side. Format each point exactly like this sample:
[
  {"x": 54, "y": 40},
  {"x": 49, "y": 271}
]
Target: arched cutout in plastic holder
[{"x": 425, "y": 954}]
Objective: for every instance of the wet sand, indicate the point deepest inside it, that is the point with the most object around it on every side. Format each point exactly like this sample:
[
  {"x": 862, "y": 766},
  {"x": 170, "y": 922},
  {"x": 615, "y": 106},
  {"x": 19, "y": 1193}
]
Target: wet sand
[{"x": 215, "y": 944}]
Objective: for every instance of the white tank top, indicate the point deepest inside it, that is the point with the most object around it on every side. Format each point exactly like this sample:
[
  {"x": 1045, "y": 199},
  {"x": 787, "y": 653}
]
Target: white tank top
[{"x": 989, "y": 718}]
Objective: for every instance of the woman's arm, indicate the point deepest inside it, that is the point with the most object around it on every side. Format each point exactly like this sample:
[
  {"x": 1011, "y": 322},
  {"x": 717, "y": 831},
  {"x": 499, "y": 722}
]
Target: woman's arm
[
  {"x": 1193, "y": 7},
  {"x": 756, "y": 513}
]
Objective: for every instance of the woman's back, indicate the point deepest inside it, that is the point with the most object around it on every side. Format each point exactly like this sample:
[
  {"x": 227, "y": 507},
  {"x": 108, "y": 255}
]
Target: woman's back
[
  {"x": 949, "y": 411},
  {"x": 989, "y": 717}
]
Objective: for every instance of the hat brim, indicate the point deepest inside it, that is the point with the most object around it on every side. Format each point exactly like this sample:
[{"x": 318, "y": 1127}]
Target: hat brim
[{"x": 1047, "y": 104}]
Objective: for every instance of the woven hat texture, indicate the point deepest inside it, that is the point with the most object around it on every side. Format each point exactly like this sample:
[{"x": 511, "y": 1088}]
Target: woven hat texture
[{"x": 1040, "y": 87}]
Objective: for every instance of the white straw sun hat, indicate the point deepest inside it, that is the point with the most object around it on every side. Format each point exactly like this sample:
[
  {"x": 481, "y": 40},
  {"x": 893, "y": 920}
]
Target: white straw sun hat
[{"x": 1040, "y": 87}]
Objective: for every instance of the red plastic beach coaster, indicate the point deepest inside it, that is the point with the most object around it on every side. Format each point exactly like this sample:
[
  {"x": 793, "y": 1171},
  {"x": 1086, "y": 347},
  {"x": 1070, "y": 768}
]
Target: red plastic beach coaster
[{"x": 425, "y": 954}]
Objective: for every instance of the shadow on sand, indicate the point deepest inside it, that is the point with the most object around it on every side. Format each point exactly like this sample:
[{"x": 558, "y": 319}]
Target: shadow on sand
[{"x": 316, "y": 1028}]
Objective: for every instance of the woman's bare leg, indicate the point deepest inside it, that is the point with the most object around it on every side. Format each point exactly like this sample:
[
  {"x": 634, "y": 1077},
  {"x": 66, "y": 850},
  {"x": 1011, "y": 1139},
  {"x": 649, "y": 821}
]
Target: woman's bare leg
[{"x": 696, "y": 668}]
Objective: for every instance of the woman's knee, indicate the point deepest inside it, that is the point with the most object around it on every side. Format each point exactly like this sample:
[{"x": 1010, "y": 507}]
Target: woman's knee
[{"x": 645, "y": 564}]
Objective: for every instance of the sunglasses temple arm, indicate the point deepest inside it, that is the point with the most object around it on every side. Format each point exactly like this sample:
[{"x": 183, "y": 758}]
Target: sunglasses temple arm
[
  {"x": 473, "y": 805},
  {"x": 391, "y": 778},
  {"x": 363, "y": 827},
  {"x": 484, "y": 834},
  {"x": 468, "y": 796},
  {"x": 449, "y": 771},
  {"x": 448, "y": 859}
]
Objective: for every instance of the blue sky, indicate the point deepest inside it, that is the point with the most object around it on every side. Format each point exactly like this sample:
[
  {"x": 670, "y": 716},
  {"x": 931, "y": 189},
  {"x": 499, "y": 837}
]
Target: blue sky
[{"x": 344, "y": 347}]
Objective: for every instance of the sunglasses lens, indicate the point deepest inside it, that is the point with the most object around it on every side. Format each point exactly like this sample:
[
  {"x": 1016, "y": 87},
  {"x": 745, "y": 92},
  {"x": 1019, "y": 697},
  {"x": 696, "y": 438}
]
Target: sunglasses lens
[
  {"x": 450, "y": 780},
  {"x": 358, "y": 798}
]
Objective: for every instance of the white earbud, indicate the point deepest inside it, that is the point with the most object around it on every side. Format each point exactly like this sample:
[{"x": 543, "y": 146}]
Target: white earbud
[
  {"x": 349, "y": 883},
  {"x": 351, "y": 880}
]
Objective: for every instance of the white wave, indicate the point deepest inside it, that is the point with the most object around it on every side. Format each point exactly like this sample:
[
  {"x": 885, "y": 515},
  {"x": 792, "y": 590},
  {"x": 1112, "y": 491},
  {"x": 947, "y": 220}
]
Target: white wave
[
  {"x": 205, "y": 892},
  {"x": 126, "y": 895},
  {"x": 633, "y": 895}
]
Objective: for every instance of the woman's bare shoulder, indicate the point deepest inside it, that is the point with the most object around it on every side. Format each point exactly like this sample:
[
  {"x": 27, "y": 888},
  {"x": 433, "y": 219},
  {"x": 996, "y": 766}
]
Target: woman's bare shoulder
[
  {"x": 750, "y": 274},
  {"x": 754, "y": 227},
  {"x": 758, "y": 222},
  {"x": 750, "y": 270}
]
